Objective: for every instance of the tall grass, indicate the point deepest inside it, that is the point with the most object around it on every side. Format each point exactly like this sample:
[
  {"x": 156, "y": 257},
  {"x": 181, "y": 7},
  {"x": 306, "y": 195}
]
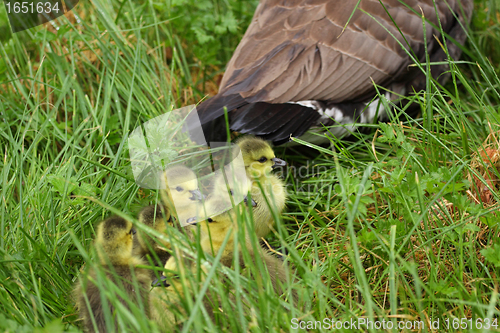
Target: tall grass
[{"x": 379, "y": 226}]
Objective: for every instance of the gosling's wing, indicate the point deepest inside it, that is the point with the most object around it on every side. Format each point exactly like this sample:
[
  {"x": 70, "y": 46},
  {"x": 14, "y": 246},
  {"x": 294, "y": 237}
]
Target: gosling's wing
[{"x": 295, "y": 50}]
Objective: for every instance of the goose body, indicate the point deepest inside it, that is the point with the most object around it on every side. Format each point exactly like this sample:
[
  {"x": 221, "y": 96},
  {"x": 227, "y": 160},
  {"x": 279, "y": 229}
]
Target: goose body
[{"x": 296, "y": 68}]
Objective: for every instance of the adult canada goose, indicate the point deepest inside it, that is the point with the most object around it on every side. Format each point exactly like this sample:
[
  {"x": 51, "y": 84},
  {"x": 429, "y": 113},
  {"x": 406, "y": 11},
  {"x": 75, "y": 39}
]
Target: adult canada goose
[
  {"x": 267, "y": 189},
  {"x": 114, "y": 248},
  {"x": 295, "y": 67}
]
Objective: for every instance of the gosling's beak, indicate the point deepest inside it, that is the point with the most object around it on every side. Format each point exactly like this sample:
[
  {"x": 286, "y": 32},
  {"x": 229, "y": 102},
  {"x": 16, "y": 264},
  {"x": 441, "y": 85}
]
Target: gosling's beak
[
  {"x": 133, "y": 231},
  {"x": 245, "y": 200},
  {"x": 191, "y": 220},
  {"x": 161, "y": 282},
  {"x": 278, "y": 162},
  {"x": 196, "y": 195}
]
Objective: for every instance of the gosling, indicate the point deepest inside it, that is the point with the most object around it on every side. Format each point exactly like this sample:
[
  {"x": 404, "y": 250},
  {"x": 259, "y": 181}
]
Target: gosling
[
  {"x": 259, "y": 160},
  {"x": 113, "y": 244},
  {"x": 215, "y": 229}
]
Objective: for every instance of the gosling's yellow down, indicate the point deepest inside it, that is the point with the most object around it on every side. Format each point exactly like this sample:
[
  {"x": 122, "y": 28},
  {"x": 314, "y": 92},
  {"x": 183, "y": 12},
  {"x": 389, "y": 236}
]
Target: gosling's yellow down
[
  {"x": 113, "y": 244},
  {"x": 230, "y": 193},
  {"x": 260, "y": 160},
  {"x": 169, "y": 293},
  {"x": 231, "y": 187},
  {"x": 215, "y": 230}
]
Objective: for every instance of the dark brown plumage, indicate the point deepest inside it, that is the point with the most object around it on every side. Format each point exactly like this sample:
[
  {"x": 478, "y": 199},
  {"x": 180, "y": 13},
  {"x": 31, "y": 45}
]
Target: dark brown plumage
[
  {"x": 296, "y": 50},
  {"x": 114, "y": 248}
]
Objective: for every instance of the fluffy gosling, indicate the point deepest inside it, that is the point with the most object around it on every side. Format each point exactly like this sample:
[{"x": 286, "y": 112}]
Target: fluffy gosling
[
  {"x": 216, "y": 228},
  {"x": 260, "y": 160},
  {"x": 114, "y": 242}
]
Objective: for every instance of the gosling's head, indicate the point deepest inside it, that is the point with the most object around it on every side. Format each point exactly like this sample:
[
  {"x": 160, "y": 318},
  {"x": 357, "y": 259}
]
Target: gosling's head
[
  {"x": 114, "y": 240},
  {"x": 258, "y": 156},
  {"x": 182, "y": 186},
  {"x": 153, "y": 217}
]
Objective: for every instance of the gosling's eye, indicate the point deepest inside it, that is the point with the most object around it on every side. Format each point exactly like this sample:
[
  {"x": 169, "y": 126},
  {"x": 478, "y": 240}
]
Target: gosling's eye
[
  {"x": 262, "y": 159},
  {"x": 210, "y": 220},
  {"x": 179, "y": 189}
]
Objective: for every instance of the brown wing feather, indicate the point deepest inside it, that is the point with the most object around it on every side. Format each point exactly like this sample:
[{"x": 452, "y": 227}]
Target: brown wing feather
[
  {"x": 292, "y": 50},
  {"x": 296, "y": 50}
]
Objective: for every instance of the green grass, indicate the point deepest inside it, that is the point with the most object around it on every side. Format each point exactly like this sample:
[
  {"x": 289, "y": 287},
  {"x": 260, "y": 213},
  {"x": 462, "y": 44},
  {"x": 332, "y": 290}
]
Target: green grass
[{"x": 380, "y": 226}]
